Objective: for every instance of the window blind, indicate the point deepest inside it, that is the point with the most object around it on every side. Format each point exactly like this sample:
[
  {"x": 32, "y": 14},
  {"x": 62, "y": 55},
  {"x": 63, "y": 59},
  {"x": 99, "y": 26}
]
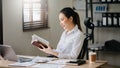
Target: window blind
[{"x": 35, "y": 14}]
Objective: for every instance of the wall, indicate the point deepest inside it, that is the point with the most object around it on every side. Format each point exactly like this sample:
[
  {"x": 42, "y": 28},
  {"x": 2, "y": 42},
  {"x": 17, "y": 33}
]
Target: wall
[{"x": 1, "y": 38}]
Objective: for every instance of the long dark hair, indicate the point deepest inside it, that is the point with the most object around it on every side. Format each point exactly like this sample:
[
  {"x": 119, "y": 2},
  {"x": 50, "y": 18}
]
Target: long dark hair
[{"x": 68, "y": 12}]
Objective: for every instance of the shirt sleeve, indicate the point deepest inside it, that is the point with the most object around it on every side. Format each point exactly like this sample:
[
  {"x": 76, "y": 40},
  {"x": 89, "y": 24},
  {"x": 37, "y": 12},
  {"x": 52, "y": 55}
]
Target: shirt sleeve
[
  {"x": 58, "y": 49},
  {"x": 76, "y": 48}
]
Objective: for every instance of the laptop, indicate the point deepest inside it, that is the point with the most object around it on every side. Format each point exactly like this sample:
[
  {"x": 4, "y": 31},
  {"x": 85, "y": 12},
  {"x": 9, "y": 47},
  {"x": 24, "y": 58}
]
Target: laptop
[{"x": 7, "y": 53}]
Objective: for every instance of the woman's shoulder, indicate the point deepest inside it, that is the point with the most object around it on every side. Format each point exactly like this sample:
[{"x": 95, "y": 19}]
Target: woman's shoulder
[{"x": 80, "y": 34}]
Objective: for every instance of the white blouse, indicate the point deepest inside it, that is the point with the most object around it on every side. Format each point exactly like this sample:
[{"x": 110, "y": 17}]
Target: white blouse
[{"x": 70, "y": 44}]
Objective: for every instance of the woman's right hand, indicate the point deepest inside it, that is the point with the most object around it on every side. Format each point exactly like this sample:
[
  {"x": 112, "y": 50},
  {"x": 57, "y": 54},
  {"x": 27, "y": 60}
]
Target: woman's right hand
[{"x": 39, "y": 44}]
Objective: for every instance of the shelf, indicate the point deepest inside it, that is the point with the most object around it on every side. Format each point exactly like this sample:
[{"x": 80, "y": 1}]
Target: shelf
[
  {"x": 109, "y": 26},
  {"x": 105, "y": 3},
  {"x": 110, "y": 16}
]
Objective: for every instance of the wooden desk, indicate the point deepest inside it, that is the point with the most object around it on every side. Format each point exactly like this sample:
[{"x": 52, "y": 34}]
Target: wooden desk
[
  {"x": 4, "y": 64},
  {"x": 98, "y": 64}
]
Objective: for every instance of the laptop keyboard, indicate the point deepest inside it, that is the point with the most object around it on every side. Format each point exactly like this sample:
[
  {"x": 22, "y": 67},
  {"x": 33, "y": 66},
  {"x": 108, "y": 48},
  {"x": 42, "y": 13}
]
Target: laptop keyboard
[{"x": 24, "y": 59}]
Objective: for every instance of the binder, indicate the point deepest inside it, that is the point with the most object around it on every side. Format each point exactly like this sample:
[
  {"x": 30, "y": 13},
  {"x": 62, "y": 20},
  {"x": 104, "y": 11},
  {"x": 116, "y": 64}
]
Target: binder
[
  {"x": 103, "y": 0},
  {"x": 104, "y": 19},
  {"x": 109, "y": 19},
  {"x": 109, "y": 0},
  {"x": 119, "y": 19},
  {"x": 115, "y": 19},
  {"x": 115, "y": 0}
]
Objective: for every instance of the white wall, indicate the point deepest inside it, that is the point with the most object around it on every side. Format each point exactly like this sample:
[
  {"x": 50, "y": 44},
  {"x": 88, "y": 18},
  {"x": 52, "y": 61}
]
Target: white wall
[{"x": 12, "y": 26}]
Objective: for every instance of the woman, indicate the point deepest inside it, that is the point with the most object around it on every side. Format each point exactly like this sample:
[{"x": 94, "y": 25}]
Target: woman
[{"x": 71, "y": 40}]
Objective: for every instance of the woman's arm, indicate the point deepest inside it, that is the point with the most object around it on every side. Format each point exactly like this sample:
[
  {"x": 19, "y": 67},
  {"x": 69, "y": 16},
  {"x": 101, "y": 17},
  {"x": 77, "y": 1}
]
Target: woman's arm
[{"x": 48, "y": 50}]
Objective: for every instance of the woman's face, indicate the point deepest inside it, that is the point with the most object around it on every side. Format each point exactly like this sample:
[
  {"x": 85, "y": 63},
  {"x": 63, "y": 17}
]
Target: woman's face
[{"x": 64, "y": 21}]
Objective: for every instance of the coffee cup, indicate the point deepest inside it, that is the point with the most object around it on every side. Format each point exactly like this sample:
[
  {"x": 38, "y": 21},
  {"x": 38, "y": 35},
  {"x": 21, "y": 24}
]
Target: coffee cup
[{"x": 92, "y": 57}]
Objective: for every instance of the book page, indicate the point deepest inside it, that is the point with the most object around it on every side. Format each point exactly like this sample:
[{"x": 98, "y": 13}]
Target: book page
[{"x": 40, "y": 39}]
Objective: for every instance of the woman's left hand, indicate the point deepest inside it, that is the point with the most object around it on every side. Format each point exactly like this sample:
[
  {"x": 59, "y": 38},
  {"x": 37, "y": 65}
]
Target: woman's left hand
[{"x": 47, "y": 50}]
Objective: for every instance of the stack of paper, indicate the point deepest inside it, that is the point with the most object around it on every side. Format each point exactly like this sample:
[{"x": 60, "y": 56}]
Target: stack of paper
[
  {"x": 42, "y": 59},
  {"x": 60, "y": 61},
  {"x": 48, "y": 66},
  {"x": 22, "y": 64},
  {"x": 68, "y": 61},
  {"x": 34, "y": 61}
]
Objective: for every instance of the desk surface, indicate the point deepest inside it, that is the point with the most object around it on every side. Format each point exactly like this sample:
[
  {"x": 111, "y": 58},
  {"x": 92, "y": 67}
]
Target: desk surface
[{"x": 4, "y": 64}]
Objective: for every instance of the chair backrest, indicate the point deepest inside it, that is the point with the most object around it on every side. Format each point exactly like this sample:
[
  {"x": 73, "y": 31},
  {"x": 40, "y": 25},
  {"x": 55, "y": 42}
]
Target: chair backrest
[{"x": 84, "y": 50}]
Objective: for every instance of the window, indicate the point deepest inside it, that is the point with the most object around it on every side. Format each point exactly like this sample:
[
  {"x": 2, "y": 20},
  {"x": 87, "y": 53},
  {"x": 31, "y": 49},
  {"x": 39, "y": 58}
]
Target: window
[{"x": 35, "y": 14}]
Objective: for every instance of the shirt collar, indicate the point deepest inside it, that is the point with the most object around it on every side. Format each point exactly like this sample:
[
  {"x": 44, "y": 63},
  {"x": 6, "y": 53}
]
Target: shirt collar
[{"x": 73, "y": 30}]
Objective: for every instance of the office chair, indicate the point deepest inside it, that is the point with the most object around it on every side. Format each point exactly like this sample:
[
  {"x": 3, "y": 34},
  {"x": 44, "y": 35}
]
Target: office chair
[
  {"x": 90, "y": 36},
  {"x": 88, "y": 23},
  {"x": 84, "y": 49}
]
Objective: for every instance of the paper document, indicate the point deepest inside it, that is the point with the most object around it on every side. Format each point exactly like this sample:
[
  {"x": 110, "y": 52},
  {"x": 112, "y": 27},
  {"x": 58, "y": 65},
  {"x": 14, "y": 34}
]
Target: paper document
[
  {"x": 35, "y": 60},
  {"x": 60, "y": 61},
  {"x": 39, "y": 59},
  {"x": 48, "y": 66},
  {"x": 38, "y": 38},
  {"x": 1, "y": 58},
  {"x": 23, "y": 64}
]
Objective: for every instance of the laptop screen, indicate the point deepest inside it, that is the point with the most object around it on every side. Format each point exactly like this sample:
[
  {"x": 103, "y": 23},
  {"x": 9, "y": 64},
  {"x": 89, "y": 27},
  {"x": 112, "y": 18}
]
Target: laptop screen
[{"x": 8, "y": 53}]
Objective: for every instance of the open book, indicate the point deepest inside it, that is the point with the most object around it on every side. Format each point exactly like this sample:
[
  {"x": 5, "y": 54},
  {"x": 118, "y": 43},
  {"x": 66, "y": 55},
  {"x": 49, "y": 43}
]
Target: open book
[{"x": 39, "y": 41}]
